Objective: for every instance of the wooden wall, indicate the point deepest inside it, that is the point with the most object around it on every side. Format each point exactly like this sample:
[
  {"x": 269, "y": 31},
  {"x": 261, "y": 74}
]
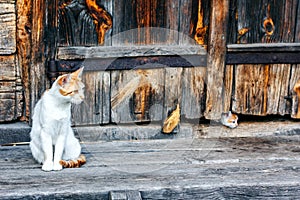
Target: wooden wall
[
  {"x": 30, "y": 38},
  {"x": 263, "y": 89},
  {"x": 11, "y": 104}
]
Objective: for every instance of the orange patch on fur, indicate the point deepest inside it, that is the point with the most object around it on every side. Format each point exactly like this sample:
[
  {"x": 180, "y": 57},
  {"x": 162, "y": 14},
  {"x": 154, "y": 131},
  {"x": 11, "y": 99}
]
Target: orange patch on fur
[{"x": 73, "y": 163}]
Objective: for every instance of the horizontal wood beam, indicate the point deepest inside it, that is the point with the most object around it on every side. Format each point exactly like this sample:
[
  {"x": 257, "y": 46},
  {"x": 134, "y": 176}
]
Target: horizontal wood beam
[
  {"x": 276, "y": 53},
  {"x": 79, "y": 52},
  {"x": 151, "y": 57}
]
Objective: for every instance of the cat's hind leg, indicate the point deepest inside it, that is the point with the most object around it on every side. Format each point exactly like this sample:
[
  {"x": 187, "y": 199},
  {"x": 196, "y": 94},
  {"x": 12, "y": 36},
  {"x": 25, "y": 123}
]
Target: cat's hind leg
[
  {"x": 72, "y": 147},
  {"x": 37, "y": 151}
]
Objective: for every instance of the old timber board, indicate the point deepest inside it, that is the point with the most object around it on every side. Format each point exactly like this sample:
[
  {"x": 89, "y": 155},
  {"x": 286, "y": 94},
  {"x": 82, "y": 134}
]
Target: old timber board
[{"x": 162, "y": 169}]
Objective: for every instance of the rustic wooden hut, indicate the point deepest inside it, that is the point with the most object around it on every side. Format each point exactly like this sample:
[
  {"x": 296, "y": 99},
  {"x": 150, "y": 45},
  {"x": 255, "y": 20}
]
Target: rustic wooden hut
[{"x": 143, "y": 58}]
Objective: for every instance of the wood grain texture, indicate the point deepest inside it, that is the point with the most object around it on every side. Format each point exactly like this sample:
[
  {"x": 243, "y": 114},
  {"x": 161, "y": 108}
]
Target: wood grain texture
[
  {"x": 216, "y": 58},
  {"x": 295, "y": 77},
  {"x": 96, "y": 106},
  {"x": 193, "y": 92},
  {"x": 137, "y": 95},
  {"x": 173, "y": 91},
  {"x": 24, "y": 50},
  {"x": 261, "y": 90},
  {"x": 11, "y": 99},
  {"x": 228, "y": 88},
  {"x": 127, "y": 51},
  {"x": 37, "y": 70},
  {"x": 232, "y": 168},
  {"x": 7, "y": 27}
]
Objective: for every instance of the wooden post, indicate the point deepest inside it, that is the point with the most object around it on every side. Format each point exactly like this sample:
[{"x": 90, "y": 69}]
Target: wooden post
[{"x": 216, "y": 58}]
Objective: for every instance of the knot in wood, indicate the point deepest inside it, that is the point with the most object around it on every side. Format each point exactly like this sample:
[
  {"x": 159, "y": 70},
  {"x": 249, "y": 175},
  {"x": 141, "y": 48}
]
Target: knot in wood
[{"x": 268, "y": 26}]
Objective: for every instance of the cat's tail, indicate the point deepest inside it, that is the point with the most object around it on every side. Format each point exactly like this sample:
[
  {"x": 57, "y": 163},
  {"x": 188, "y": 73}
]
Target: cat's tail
[{"x": 73, "y": 163}]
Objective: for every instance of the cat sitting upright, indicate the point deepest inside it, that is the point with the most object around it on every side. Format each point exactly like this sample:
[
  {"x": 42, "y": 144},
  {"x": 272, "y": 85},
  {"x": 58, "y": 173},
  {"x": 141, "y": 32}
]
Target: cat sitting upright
[{"x": 51, "y": 123}]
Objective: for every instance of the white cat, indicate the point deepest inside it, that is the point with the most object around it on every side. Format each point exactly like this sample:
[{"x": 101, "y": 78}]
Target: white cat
[{"x": 52, "y": 138}]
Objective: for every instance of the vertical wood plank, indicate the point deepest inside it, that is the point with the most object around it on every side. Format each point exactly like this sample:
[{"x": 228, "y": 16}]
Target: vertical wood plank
[
  {"x": 37, "y": 67},
  {"x": 193, "y": 92},
  {"x": 295, "y": 73},
  {"x": 96, "y": 106},
  {"x": 173, "y": 90},
  {"x": 216, "y": 58},
  {"x": 295, "y": 77},
  {"x": 228, "y": 87},
  {"x": 24, "y": 49},
  {"x": 108, "y": 5}
]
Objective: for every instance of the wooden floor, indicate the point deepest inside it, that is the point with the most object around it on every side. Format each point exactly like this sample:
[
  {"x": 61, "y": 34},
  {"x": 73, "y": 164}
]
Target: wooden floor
[{"x": 231, "y": 168}]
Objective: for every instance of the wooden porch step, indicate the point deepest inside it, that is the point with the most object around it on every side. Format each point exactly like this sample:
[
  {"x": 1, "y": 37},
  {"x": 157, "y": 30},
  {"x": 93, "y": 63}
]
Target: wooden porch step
[{"x": 206, "y": 168}]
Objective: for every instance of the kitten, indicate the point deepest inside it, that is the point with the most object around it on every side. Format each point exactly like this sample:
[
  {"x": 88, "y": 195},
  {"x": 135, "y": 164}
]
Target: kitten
[
  {"x": 51, "y": 123},
  {"x": 229, "y": 120}
]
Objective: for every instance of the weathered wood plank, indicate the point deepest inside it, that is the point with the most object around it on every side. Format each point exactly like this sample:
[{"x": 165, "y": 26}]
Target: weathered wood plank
[
  {"x": 24, "y": 49},
  {"x": 108, "y": 5},
  {"x": 7, "y": 86},
  {"x": 185, "y": 22},
  {"x": 37, "y": 70},
  {"x": 264, "y": 47},
  {"x": 193, "y": 92},
  {"x": 228, "y": 87},
  {"x": 127, "y": 51},
  {"x": 171, "y": 22},
  {"x": 216, "y": 58},
  {"x": 251, "y": 85},
  {"x": 96, "y": 106},
  {"x": 295, "y": 77},
  {"x": 169, "y": 169},
  {"x": 7, "y": 27},
  {"x": 200, "y": 14},
  {"x": 173, "y": 91},
  {"x": 137, "y": 95},
  {"x": 278, "y": 86},
  {"x": 262, "y": 89},
  {"x": 8, "y": 68}
]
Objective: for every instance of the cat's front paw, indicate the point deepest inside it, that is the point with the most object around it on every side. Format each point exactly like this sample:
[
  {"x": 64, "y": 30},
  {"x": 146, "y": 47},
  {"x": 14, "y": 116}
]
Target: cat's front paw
[
  {"x": 47, "y": 166},
  {"x": 57, "y": 167}
]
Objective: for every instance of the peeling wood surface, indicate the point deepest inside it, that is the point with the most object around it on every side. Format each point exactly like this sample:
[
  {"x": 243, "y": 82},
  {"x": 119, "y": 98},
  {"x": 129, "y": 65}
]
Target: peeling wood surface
[{"x": 162, "y": 169}]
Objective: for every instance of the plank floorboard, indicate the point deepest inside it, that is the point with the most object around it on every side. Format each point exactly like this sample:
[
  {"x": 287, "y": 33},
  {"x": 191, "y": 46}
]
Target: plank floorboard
[{"x": 266, "y": 167}]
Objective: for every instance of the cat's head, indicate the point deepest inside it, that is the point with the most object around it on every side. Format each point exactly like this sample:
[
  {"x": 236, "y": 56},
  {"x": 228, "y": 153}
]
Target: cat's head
[
  {"x": 229, "y": 119},
  {"x": 71, "y": 87}
]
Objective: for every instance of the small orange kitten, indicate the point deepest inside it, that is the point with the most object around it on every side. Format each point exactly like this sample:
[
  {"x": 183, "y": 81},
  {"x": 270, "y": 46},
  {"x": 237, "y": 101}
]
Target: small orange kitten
[
  {"x": 229, "y": 119},
  {"x": 51, "y": 123}
]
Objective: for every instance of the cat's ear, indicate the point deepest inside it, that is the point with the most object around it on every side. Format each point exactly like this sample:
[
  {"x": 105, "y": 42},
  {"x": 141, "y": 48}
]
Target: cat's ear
[
  {"x": 78, "y": 73},
  {"x": 229, "y": 113},
  {"x": 62, "y": 80}
]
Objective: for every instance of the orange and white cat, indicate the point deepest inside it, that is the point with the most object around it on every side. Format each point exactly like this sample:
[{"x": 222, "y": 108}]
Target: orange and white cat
[
  {"x": 52, "y": 138},
  {"x": 229, "y": 119}
]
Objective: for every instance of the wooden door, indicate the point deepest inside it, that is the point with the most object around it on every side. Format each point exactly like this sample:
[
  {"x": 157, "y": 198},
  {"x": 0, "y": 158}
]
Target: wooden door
[{"x": 130, "y": 36}]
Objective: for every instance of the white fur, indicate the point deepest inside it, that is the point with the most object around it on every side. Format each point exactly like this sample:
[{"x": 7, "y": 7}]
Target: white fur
[
  {"x": 52, "y": 128},
  {"x": 225, "y": 117}
]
